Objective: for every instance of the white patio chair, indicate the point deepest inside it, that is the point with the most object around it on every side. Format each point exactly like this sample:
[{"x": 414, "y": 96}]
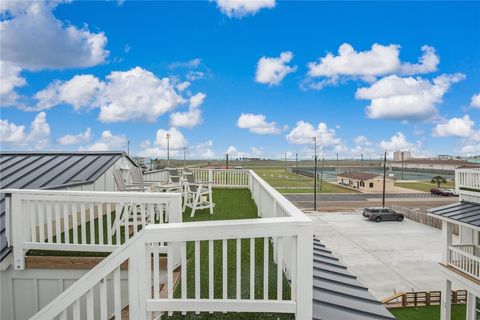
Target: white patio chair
[
  {"x": 198, "y": 195},
  {"x": 122, "y": 186}
]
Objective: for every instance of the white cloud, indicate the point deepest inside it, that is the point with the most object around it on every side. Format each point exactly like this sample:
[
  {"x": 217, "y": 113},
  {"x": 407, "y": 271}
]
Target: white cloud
[
  {"x": 192, "y": 117},
  {"x": 271, "y": 71},
  {"x": 159, "y": 148},
  {"x": 456, "y": 127},
  {"x": 10, "y": 79},
  {"x": 378, "y": 61},
  {"x": 191, "y": 64},
  {"x": 242, "y": 8},
  {"x": 475, "y": 101},
  {"x": 257, "y": 123},
  {"x": 234, "y": 153},
  {"x": 81, "y": 92},
  {"x": 136, "y": 94},
  {"x": 396, "y": 142},
  {"x": 304, "y": 132},
  {"x": 471, "y": 149},
  {"x": 204, "y": 150},
  {"x": 11, "y": 133},
  {"x": 362, "y": 141},
  {"x": 394, "y": 97},
  {"x": 108, "y": 142},
  {"x": 75, "y": 139},
  {"x": 33, "y": 39},
  {"x": 15, "y": 136}
]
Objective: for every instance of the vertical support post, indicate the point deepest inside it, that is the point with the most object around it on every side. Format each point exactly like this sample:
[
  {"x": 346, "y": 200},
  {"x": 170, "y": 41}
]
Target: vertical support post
[
  {"x": 304, "y": 273},
  {"x": 446, "y": 300},
  {"x": 447, "y": 228},
  {"x": 471, "y": 306},
  {"x": 175, "y": 217},
  {"x": 18, "y": 225},
  {"x": 137, "y": 294}
]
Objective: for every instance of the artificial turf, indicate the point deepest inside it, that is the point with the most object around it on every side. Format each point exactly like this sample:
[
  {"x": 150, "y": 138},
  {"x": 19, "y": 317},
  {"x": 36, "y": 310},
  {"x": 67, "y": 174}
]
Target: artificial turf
[{"x": 428, "y": 312}]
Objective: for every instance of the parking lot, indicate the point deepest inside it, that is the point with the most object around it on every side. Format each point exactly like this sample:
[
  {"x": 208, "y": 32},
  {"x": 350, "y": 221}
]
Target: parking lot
[{"x": 386, "y": 257}]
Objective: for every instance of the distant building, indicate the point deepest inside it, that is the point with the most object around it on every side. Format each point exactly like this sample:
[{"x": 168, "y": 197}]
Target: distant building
[
  {"x": 142, "y": 162},
  {"x": 365, "y": 181},
  {"x": 401, "y": 155},
  {"x": 433, "y": 165}
]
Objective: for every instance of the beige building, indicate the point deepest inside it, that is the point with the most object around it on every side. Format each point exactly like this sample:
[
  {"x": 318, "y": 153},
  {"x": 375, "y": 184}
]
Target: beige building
[
  {"x": 432, "y": 164},
  {"x": 401, "y": 155},
  {"x": 364, "y": 181}
]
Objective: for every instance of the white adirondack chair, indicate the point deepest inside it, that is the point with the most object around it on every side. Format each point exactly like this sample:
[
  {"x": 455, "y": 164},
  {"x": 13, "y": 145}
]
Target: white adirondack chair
[
  {"x": 122, "y": 186},
  {"x": 198, "y": 195}
]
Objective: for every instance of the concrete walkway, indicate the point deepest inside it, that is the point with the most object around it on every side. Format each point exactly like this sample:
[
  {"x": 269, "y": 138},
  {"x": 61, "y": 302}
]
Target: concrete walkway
[{"x": 386, "y": 257}]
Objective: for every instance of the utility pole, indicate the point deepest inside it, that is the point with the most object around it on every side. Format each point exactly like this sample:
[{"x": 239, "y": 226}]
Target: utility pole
[
  {"x": 285, "y": 162},
  {"x": 226, "y": 160},
  {"x": 337, "y": 164},
  {"x": 315, "y": 177},
  {"x": 296, "y": 163},
  {"x": 321, "y": 175},
  {"x": 384, "y": 177},
  {"x": 128, "y": 147},
  {"x": 362, "y": 159},
  {"x": 402, "y": 163},
  {"x": 168, "y": 147}
]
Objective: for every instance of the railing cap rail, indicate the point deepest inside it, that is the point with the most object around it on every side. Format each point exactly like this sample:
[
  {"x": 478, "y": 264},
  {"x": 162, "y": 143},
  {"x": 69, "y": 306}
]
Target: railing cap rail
[{"x": 91, "y": 193}]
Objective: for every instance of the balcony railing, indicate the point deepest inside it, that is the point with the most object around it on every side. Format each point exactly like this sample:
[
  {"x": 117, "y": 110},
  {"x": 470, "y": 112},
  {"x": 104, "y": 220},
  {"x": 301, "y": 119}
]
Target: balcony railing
[
  {"x": 465, "y": 258},
  {"x": 281, "y": 224},
  {"x": 82, "y": 221},
  {"x": 467, "y": 180}
]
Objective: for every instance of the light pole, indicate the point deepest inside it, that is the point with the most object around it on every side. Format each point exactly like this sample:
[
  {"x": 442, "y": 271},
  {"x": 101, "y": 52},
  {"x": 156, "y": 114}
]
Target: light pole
[
  {"x": 285, "y": 162},
  {"x": 168, "y": 147},
  {"x": 315, "y": 177},
  {"x": 321, "y": 175},
  {"x": 184, "y": 150},
  {"x": 384, "y": 177},
  {"x": 296, "y": 163}
]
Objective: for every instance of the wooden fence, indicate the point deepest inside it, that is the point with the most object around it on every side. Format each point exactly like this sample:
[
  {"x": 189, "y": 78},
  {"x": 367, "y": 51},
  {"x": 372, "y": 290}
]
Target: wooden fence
[
  {"x": 420, "y": 215},
  {"x": 422, "y": 298}
]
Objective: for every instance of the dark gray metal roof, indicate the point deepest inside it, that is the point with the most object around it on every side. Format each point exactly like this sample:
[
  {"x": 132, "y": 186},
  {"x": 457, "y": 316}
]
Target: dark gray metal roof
[
  {"x": 466, "y": 212},
  {"x": 337, "y": 294},
  {"x": 48, "y": 170}
]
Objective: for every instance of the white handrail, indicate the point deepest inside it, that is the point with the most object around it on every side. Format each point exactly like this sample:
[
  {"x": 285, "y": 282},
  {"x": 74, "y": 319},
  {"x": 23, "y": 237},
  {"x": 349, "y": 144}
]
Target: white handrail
[
  {"x": 464, "y": 261},
  {"x": 82, "y": 220}
]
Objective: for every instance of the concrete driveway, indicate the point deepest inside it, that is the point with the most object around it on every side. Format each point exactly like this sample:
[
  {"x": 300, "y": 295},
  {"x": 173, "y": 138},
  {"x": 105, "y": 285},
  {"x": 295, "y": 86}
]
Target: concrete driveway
[{"x": 386, "y": 257}]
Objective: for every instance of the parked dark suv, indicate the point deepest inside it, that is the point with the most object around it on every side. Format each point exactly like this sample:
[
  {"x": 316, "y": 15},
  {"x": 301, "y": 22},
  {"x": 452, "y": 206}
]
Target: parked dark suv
[{"x": 382, "y": 214}]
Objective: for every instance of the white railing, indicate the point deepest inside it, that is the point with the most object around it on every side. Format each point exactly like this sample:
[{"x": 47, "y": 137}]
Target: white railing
[
  {"x": 156, "y": 176},
  {"x": 467, "y": 179},
  {"x": 207, "y": 292},
  {"x": 228, "y": 178},
  {"x": 283, "y": 237},
  {"x": 463, "y": 258},
  {"x": 82, "y": 221}
]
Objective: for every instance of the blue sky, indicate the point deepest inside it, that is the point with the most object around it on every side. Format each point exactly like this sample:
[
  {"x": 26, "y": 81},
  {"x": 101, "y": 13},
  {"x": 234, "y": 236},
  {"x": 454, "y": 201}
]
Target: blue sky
[{"x": 257, "y": 79}]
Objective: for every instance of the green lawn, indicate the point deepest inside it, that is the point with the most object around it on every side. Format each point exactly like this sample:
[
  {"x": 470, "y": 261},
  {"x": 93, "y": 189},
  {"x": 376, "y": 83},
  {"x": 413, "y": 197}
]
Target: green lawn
[
  {"x": 278, "y": 178},
  {"x": 428, "y": 313},
  {"x": 424, "y": 185},
  {"x": 230, "y": 204}
]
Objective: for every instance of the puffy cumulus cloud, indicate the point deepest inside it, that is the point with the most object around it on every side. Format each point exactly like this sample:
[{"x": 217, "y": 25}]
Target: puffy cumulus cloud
[
  {"x": 204, "y": 150},
  {"x": 304, "y": 133},
  {"x": 471, "y": 149},
  {"x": 10, "y": 78},
  {"x": 15, "y": 136},
  {"x": 80, "y": 92},
  {"x": 159, "y": 147},
  {"x": 397, "y": 142},
  {"x": 362, "y": 141},
  {"x": 192, "y": 117},
  {"x": 107, "y": 142},
  {"x": 257, "y": 123},
  {"x": 233, "y": 152},
  {"x": 136, "y": 94},
  {"x": 33, "y": 39},
  {"x": 475, "y": 101},
  {"x": 394, "y": 97},
  {"x": 378, "y": 61},
  {"x": 271, "y": 71},
  {"x": 242, "y": 8},
  {"x": 455, "y": 127},
  {"x": 70, "y": 139}
]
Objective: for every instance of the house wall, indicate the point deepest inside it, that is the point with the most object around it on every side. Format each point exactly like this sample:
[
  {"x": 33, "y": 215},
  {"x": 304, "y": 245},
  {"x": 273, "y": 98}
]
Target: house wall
[
  {"x": 425, "y": 166},
  {"x": 23, "y": 293}
]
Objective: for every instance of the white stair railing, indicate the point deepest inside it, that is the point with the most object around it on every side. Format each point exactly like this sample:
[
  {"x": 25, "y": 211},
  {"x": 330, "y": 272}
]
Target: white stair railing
[
  {"x": 80, "y": 220},
  {"x": 464, "y": 260},
  {"x": 143, "y": 253}
]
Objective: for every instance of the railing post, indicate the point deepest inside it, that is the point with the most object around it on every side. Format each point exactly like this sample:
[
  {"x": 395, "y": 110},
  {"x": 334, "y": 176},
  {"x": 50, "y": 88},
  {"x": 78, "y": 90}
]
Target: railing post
[
  {"x": 176, "y": 209},
  {"x": 137, "y": 282},
  {"x": 17, "y": 213},
  {"x": 304, "y": 273},
  {"x": 210, "y": 176}
]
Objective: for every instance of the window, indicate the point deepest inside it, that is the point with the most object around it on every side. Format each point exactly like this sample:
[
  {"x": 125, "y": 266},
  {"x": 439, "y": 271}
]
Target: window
[{"x": 370, "y": 185}]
